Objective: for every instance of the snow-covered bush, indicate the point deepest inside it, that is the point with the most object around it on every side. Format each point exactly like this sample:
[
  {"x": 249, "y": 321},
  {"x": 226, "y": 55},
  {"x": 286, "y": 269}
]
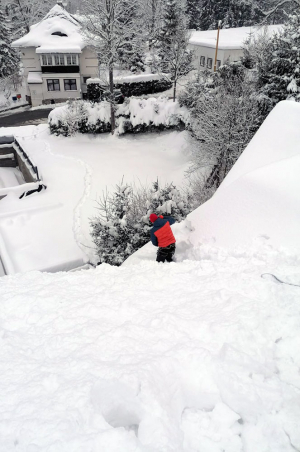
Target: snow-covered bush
[
  {"x": 110, "y": 231},
  {"x": 135, "y": 115},
  {"x": 225, "y": 114},
  {"x": 132, "y": 85},
  {"x": 277, "y": 62},
  {"x": 122, "y": 225},
  {"x": 80, "y": 116}
]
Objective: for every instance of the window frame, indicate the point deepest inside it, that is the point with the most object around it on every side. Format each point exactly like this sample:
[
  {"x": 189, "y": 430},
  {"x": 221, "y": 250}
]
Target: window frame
[
  {"x": 209, "y": 63},
  {"x": 202, "y": 59},
  {"x": 55, "y": 81},
  {"x": 69, "y": 59},
  {"x": 218, "y": 64},
  {"x": 84, "y": 78},
  {"x": 67, "y": 81},
  {"x": 61, "y": 59},
  {"x": 73, "y": 59}
]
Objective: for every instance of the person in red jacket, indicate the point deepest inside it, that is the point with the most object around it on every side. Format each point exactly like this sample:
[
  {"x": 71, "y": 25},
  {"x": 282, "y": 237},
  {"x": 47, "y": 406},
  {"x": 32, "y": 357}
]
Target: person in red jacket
[{"x": 162, "y": 236}]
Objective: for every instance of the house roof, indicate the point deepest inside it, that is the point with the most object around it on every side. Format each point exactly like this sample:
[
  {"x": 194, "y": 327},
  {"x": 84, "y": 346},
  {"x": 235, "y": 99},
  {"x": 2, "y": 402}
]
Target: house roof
[
  {"x": 58, "y": 32},
  {"x": 230, "y": 38}
]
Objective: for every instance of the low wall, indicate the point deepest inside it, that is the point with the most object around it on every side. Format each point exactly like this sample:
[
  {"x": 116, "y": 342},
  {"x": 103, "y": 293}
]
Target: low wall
[{"x": 8, "y": 162}]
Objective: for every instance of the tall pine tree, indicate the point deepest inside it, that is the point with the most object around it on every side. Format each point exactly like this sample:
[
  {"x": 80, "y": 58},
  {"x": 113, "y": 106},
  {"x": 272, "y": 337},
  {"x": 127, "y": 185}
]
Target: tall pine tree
[
  {"x": 174, "y": 57},
  {"x": 8, "y": 55},
  {"x": 131, "y": 53},
  {"x": 279, "y": 74}
]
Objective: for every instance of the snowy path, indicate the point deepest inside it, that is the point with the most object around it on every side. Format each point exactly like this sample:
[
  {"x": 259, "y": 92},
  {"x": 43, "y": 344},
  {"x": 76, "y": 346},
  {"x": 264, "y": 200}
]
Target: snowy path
[{"x": 198, "y": 356}]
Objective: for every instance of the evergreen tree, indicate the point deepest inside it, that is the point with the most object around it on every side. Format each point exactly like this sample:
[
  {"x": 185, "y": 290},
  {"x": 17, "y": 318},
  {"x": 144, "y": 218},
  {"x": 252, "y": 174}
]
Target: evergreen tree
[
  {"x": 110, "y": 232},
  {"x": 8, "y": 56},
  {"x": 167, "y": 201},
  {"x": 279, "y": 73},
  {"x": 205, "y": 14},
  {"x": 123, "y": 225},
  {"x": 194, "y": 14},
  {"x": 174, "y": 57},
  {"x": 131, "y": 53}
]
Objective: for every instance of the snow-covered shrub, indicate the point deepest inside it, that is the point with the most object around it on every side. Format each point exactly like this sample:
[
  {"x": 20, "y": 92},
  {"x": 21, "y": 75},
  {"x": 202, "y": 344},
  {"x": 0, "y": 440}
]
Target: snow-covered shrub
[
  {"x": 144, "y": 87},
  {"x": 80, "y": 116},
  {"x": 110, "y": 231},
  {"x": 132, "y": 85},
  {"x": 277, "y": 63},
  {"x": 168, "y": 200},
  {"x": 135, "y": 115},
  {"x": 225, "y": 114},
  {"x": 94, "y": 90},
  {"x": 122, "y": 225}
]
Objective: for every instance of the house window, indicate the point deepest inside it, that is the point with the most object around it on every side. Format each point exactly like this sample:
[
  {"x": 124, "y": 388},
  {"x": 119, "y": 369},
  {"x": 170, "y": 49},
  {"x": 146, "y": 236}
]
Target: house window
[
  {"x": 47, "y": 60},
  {"x": 71, "y": 60},
  {"x": 209, "y": 63},
  {"x": 53, "y": 84},
  {"x": 70, "y": 84},
  {"x": 59, "y": 60},
  {"x": 202, "y": 61},
  {"x": 85, "y": 79},
  {"x": 218, "y": 63}
]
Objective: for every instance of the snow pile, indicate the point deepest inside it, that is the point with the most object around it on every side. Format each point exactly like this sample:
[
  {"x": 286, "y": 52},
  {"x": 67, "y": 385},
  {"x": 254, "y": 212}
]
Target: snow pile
[
  {"x": 258, "y": 198},
  {"x": 41, "y": 35},
  {"x": 127, "y": 79},
  {"x": 161, "y": 111},
  {"x": 86, "y": 117},
  {"x": 196, "y": 356},
  {"x": 137, "y": 78},
  {"x": 231, "y": 38}
]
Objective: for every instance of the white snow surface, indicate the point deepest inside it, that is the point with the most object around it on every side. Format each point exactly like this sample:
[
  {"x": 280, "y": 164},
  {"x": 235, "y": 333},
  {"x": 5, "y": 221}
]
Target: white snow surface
[
  {"x": 34, "y": 77},
  {"x": 194, "y": 356},
  {"x": 41, "y": 34},
  {"x": 231, "y": 38},
  {"x": 50, "y": 230},
  {"x": 200, "y": 355},
  {"x": 144, "y": 77}
]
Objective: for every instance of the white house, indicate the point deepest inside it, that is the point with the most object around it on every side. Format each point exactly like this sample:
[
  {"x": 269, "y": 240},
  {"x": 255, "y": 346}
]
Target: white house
[
  {"x": 56, "y": 59},
  {"x": 231, "y": 43}
]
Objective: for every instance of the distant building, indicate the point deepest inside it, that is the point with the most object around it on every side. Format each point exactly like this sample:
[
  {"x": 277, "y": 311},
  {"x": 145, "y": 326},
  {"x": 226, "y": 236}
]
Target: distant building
[
  {"x": 231, "y": 43},
  {"x": 56, "y": 59}
]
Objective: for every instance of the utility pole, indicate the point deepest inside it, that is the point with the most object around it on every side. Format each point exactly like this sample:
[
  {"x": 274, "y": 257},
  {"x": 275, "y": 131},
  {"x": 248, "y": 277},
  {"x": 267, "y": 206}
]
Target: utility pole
[{"x": 217, "y": 45}]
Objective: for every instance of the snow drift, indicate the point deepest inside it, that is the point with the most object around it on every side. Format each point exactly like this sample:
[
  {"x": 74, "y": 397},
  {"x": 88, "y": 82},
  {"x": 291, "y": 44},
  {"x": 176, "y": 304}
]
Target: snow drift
[{"x": 258, "y": 198}]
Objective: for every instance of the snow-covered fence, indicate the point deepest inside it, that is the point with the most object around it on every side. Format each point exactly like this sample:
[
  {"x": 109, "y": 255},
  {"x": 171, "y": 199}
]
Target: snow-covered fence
[
  {"x": 132, "y": 85},
  {"x": 135, "y": 115},
  {"x": 26, "y": 165}
]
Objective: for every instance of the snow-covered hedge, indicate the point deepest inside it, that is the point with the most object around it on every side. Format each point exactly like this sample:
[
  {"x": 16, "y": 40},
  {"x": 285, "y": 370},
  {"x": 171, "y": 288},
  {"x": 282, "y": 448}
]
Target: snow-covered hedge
[
  {"x": 135, "y": 115},
  {"x": 133, "y": 85}
]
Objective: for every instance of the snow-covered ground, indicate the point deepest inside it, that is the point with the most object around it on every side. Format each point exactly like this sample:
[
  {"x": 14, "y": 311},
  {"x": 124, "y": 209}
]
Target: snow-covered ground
[
  {"x": 50, "y": 230},
  {"x": 195, "y": 356},
  {"x": 200, "y": 355}
]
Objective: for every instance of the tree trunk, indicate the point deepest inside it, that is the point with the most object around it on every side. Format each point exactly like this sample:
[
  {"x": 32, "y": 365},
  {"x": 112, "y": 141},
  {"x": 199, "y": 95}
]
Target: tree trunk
[
  {"x": 112, "y": 107},
  {"x": 174, "y": 90}
]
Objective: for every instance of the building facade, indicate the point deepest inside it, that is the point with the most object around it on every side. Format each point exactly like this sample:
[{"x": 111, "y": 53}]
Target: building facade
[
  {"x": 230, "y": 46},
  {"x": 56, "y": 59}
]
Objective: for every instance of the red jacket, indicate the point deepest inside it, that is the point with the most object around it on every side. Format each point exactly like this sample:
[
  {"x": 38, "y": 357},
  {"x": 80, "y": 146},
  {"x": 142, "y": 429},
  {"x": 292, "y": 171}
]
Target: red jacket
[{"x": 161, "y": 233}]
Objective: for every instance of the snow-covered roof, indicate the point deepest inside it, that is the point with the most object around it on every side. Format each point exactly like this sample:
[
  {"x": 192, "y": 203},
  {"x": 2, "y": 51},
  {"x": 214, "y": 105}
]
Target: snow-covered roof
[
  {"x": 230, "y": 38},
  {"x": 34, "y": 77},
  {"x": 49, "y": 34}
]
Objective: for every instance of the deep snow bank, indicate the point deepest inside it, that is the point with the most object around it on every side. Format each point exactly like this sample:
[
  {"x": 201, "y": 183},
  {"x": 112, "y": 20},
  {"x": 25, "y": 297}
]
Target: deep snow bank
[
  {"x": 199, "y": 356},
  {"x": 259, "y": 197}
]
